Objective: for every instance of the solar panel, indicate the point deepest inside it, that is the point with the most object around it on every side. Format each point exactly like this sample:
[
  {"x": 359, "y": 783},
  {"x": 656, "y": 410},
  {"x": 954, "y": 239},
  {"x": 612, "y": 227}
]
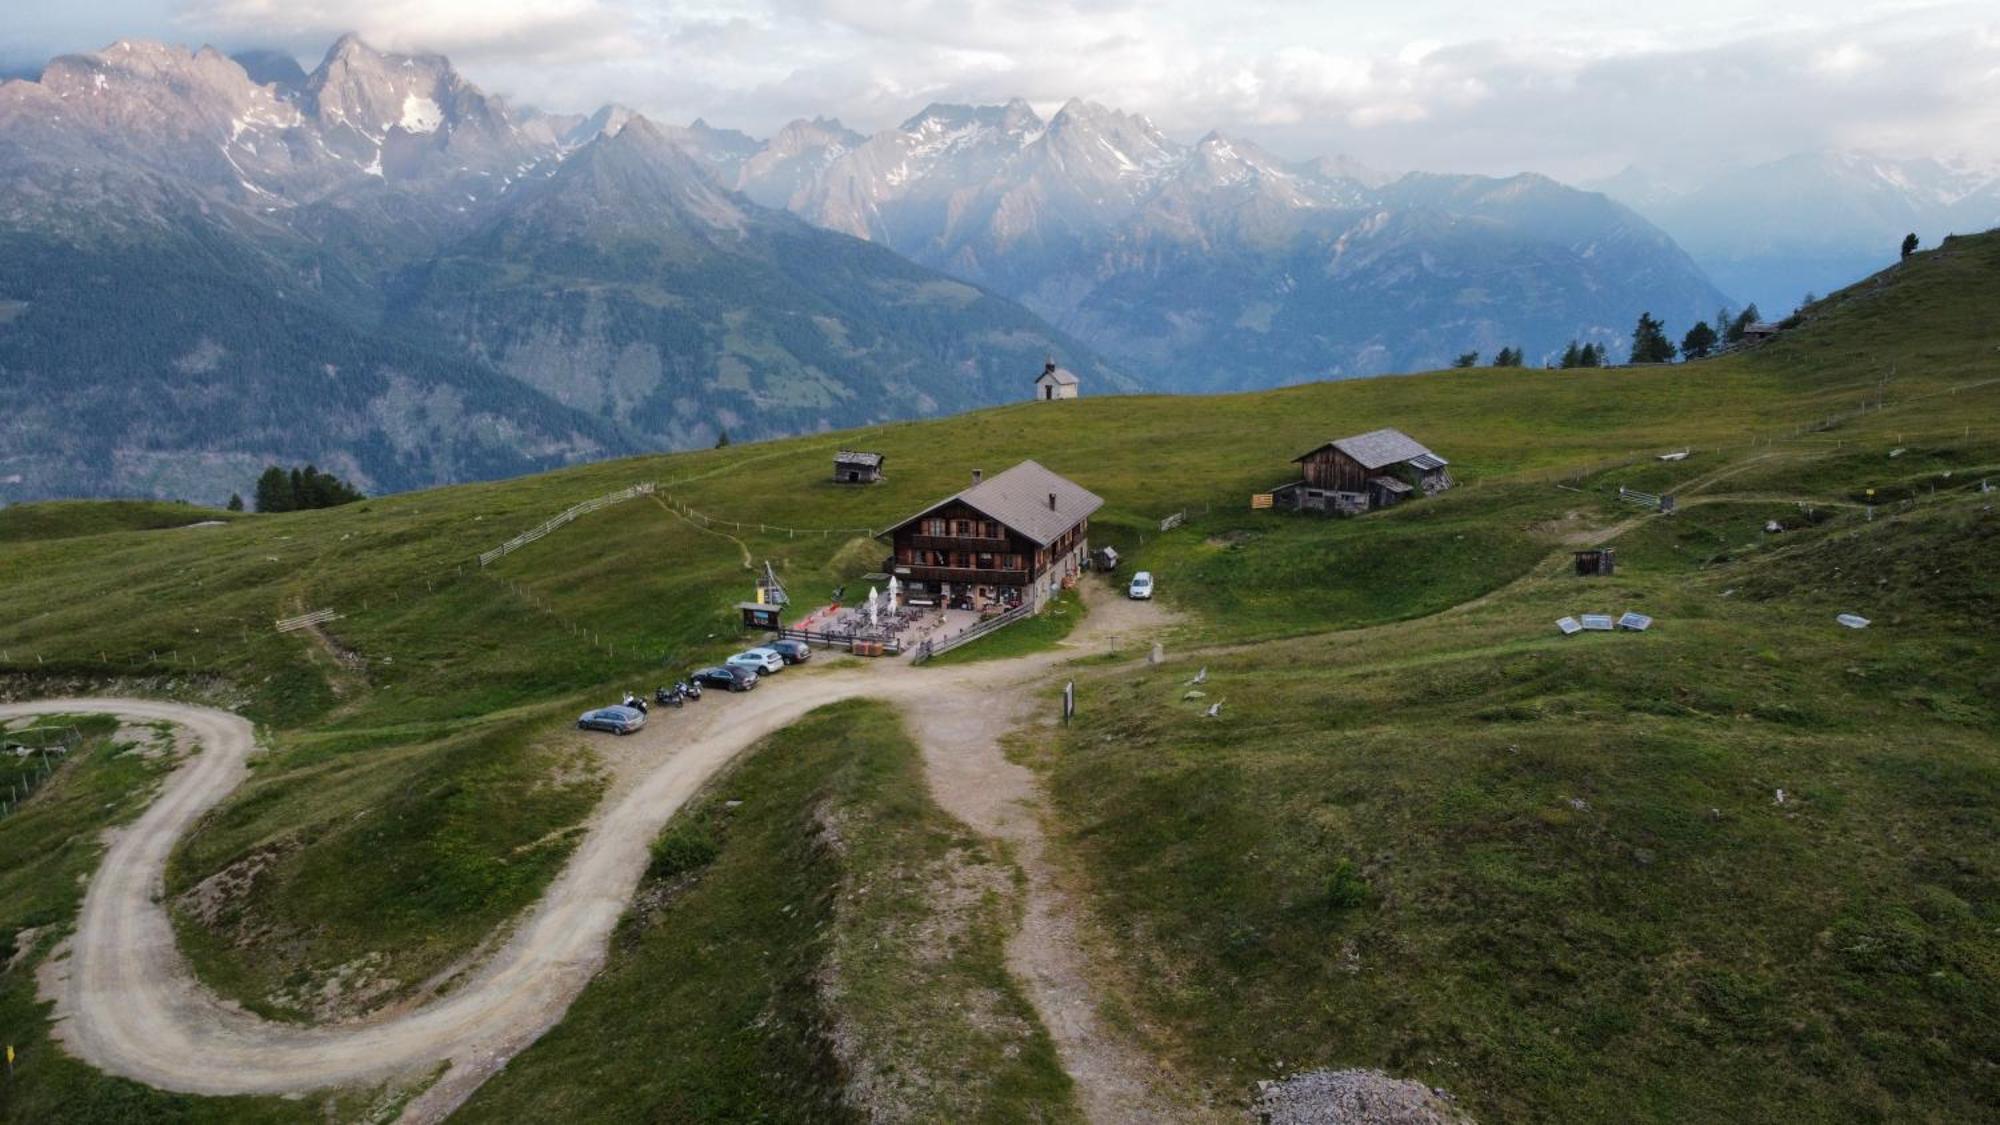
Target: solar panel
[
  {"x": 1597, "y": 622},
  {"x": 1637, "y": 622},
  {"x": 1568, "y": 625}
]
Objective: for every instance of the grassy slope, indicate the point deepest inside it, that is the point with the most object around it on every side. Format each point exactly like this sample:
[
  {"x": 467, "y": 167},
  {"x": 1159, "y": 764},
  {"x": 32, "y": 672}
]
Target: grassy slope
[
  {"x": 453, "y": 675},
  {"x": 1551, "y": 874},
  {"x": 816, "y": 908},
  {"x": 68, "y": 519}
]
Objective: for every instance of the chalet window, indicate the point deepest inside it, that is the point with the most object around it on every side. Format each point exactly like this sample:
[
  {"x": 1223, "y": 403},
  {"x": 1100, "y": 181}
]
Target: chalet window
[
  {"x": 992, "y": 530},
  {"x": 935, "y": 527},
  {"x": 964, "y": 528},
  {"x": 985, "y": 561}
]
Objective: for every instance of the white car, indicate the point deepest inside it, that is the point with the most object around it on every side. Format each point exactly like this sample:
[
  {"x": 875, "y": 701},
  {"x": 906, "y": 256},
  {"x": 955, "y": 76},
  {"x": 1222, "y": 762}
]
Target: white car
[
  {"x": 762, "y": 661},
  {"x": 1141, "y": 587}
]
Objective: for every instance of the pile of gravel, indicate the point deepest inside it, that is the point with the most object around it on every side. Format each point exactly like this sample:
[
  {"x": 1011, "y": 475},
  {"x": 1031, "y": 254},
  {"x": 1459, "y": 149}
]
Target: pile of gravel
[{"x": 1354, "y": 1097}]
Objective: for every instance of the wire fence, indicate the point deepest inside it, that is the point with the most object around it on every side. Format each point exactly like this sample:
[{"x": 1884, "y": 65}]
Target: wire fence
[{"x": 30, "y": 757}]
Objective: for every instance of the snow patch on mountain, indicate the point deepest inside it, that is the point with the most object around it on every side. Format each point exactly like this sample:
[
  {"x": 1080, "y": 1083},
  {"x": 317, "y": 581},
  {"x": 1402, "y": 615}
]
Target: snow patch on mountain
[{"x": 421, "y": 114}]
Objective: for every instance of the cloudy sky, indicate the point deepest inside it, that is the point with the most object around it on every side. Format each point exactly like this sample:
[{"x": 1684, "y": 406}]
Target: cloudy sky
[{"x": 1570, "y": 88}]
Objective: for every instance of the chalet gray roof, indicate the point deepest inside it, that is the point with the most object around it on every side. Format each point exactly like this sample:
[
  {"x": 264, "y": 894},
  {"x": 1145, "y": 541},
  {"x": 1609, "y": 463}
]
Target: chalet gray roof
[
  {"x": 1019, "y": 498},
  {"x": 855, "y": 457},
  {"x": 1061, "y": 376},
  {"x": 1377, "y": 448}
]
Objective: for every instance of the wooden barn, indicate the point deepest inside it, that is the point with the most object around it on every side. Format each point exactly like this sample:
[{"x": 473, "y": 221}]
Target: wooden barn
[
  {"x": 854, "y": 467},
  {"x": 1008, "y": 539},
  {"x": 1357, "y": 474},
  {"x": 1055, "y": 383}
]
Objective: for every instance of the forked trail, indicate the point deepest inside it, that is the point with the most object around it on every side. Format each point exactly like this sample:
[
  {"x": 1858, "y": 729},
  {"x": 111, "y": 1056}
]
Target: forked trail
[{"x": 126, "y": 1001}]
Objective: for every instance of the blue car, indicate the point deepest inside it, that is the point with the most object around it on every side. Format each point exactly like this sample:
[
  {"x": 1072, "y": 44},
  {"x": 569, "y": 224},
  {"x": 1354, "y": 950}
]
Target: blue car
[{"x": 617, "y": 720}]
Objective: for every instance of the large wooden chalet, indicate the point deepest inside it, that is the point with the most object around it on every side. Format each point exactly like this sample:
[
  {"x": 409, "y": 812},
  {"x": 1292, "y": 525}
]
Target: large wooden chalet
[
  {"x": 1367, "y": 471},
  {"x": 1008, "y": 539}
]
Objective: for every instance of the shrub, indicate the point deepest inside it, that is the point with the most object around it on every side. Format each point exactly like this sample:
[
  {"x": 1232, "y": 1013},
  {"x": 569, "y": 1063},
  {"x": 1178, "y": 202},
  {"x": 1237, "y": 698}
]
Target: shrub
[{"x": 682, "y": 849}]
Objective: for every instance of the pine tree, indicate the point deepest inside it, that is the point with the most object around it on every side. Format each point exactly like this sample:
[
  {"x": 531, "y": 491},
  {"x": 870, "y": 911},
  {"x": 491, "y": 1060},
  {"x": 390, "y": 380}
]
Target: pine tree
[
  {"x": 274, "y": 491},
  {"x": 1466, "y": 359},
  {"x": 1591, "y": 356},
  {"x": 1909, "y": 244},
  {"x": 235, "y": 501},
  {"x": 1572, "y": 356},
  {"x": 1699, "y": 341},
  {"x": 302, "y": 488},
  {"x": 1507, "y": 357},
  {"x": 1749, "y": 316},
  {"x": 722, "y": 438},
  {"x": 1649, "y": 341}
]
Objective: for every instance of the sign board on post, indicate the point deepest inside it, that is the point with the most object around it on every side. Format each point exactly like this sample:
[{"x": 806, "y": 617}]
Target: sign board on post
[{"x": 1261, "y": 500}]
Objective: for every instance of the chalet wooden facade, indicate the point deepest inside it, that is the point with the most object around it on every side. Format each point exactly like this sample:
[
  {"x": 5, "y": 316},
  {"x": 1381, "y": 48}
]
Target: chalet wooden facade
[
  {"x": 1007, "y": 540},
  {"x": 1367, "y": 471}
]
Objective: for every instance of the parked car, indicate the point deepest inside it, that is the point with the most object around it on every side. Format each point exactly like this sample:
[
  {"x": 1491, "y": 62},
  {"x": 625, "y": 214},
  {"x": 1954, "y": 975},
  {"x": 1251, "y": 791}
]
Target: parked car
[
  {"x": 794, "y": 652},
  {"x": 1106, "y": 559},
  {"x": 617, "y": 720},
  {"x": 1142, "y": 586},
  {"x": 762, "y": 661},
  {"x": 727, "y": 676}
]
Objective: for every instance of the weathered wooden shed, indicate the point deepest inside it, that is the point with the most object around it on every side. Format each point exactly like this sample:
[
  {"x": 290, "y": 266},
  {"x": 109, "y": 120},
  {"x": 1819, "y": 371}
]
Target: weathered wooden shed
[
  {"x": 1595, "y": 561},
  {"x": 1372, "y": 470},
  {"x": 855, "y": 467}
]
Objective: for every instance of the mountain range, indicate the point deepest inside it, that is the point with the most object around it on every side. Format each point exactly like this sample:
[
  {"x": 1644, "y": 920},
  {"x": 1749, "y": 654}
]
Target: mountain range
[
  {"x": 209, "y": 263},
  {"x": 378, "y": 267},
  {"x": 1216, "y": 265},
  {"x": 1810, "y": 222}
]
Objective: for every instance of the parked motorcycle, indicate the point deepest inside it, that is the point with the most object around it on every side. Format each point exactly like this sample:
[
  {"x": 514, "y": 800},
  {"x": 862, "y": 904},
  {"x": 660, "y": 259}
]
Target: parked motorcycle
[
  {"x": 635, "y": 702},
  {"x": 672, "y": 696},
  {"x": 689, "y": 689}
]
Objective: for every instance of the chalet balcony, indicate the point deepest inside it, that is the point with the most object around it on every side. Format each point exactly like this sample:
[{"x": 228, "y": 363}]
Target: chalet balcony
[
  {"x": 957, "y": 574},
  {"x": 972, "y": 543}
]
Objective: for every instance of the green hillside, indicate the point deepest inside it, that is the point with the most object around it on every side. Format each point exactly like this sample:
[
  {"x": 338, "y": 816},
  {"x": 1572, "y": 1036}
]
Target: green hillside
[{"x": 1427, "y": 834}]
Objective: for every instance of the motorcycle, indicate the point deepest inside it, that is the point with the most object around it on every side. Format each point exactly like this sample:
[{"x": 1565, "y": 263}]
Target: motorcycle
[
  {"x": 689, "y": 689},
  {"x": 672, "y": 696},
  {"x": 635, "y": 702}
]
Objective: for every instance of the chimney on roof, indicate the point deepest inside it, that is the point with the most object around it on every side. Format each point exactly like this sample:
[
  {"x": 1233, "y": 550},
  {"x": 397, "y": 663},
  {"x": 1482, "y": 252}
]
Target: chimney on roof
[
  {"x": 1052, "y": 501},
  {"x": 978, "y": 475}
]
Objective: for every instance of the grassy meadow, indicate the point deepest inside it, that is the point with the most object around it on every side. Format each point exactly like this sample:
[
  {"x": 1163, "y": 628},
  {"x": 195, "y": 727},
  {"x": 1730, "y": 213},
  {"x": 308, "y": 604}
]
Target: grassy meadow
[
  {"x": 816, "y": 941},
  {"x": 1373, "y": 858}
]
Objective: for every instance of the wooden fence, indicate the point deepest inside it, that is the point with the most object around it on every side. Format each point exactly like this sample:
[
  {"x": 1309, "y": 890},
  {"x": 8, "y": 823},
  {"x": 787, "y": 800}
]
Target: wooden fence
[
  {"x": 936, "y": 648},
  {"x": 889, "y": 647},
  {"x": 585, "y": 508},
  {"x": 306, "y": 620}
]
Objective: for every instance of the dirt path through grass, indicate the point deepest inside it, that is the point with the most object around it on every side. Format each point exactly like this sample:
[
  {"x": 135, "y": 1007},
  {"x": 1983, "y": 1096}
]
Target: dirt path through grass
[
  {"x": 126, "y": 1001},
  {"x": 959, "y": 721}
]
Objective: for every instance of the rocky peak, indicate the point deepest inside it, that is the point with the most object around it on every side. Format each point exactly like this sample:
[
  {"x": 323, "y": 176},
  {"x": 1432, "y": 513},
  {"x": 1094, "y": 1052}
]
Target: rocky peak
[
  {"x": 373, "y": 92},
  {"x": 606, "y": 122}
]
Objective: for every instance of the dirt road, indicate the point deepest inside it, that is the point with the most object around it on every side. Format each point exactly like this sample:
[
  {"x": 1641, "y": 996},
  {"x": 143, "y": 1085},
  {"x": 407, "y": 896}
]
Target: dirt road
[{"x": 127, "y": 1003}]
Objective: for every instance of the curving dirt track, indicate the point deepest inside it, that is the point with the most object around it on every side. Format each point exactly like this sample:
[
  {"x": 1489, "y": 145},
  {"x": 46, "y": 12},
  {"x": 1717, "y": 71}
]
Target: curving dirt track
[{"x": 126, "y": 1002}]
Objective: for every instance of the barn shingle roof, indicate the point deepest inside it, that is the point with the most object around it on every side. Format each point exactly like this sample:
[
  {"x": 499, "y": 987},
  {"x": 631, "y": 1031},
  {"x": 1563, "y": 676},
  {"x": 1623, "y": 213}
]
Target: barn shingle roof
[
  {"x": 1378, "y": 448},
  {"x": 855, "y": 457},
  {"x": 1019, "y": 498}
]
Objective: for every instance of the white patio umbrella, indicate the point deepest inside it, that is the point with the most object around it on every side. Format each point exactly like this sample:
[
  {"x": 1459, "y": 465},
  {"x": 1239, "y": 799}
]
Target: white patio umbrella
[
  {"x": 895, "y": 593},
  {"x": 874, "y": 606}
]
